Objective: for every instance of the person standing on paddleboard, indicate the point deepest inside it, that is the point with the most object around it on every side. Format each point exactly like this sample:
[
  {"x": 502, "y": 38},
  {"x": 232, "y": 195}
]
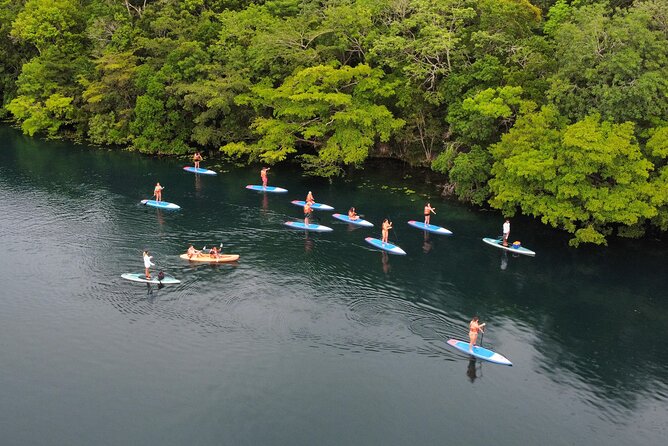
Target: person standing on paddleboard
[
  {"x": 307, "y": 212},
  {"x": 506, "y": 232},
  {"x": 263, "y": 176},
  {"x": 147, "y": 264},
  {"x": 427, "y": 213},
  {"x": 474, "y": 328},
  {"x": 196, "y": 159},
  {"x": 157, "y": 192},
  {"x": 385, "y": 231}
]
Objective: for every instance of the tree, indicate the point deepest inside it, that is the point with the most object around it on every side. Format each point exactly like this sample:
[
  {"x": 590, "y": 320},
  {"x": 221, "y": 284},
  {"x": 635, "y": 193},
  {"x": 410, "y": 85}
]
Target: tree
[
  {"x": 615, "y": 64},
  {"x": 587, "y": 178},
  {"x": 657, "y": 151},
  {"x": 331, "y": 111},
  {"x": 47, "y": 85}
]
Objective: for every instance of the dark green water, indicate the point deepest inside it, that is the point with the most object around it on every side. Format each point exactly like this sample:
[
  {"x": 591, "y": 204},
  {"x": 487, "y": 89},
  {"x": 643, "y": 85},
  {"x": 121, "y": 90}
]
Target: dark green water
[{"x": 310, "y": 339}]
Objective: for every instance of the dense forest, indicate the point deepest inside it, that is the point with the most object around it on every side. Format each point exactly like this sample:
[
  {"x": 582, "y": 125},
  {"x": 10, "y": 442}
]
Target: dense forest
[{"x": 554, "y": 109}]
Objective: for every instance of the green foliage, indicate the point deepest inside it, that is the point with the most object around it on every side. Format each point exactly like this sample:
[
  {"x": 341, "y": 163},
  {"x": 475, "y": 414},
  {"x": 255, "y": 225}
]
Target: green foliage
[
  {"x": 45, "y": 23},
  {"x": 445, "y": 160},
  {"x": 470, "y": 174},
  {"x": 586, "y": 178},
  {"x": 327, "y": 109},
  {"x": 558, "y": 14},
  {"x": 613, "y": 64},
  {"x": 47, "y": 116},
  {"x": 481, "y": 119},
  {"x": 657, "y": 149}
]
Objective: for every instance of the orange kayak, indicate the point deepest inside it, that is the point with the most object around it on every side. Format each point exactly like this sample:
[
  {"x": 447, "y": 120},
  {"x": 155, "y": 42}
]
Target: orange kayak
[{"x": 222, "y": 258}]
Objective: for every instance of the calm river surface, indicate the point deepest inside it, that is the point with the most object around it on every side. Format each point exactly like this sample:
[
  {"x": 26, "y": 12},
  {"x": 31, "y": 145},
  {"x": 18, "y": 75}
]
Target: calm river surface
[{"x": 309, "y": 339}]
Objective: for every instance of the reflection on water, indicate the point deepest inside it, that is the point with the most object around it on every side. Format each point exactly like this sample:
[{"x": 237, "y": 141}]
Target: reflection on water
[
  {"x": 426, "y": 245},
  {"x": 386, "y": 262},
  {"x": 265, "y": 201},
  {"x": 308, "y": 243},
  {"x": 306, "y": 329},
  {"x": 474, "y": 370},
  {"x": 504, "y": 261}
]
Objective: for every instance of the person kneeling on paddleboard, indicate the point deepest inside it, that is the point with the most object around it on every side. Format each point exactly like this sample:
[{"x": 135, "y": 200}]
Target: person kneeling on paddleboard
[
  {"x": 352, "y": 214},
  {"x": 309, "y": 198},
  {"x": 474, "y": 328}
]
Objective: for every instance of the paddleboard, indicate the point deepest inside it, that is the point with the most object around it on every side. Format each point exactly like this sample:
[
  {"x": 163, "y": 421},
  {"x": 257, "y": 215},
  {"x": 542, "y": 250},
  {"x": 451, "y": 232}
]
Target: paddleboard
[
  {"x": 499, "y": 244},
  {"x": 160, "y": 204},
  {"x": 479, "y": 352},
  {"x": 389, "y": 247},
  {"x": 277, "y": 190},
  {"x": 311, "y": 226},
  {"x": 222, "y": 258},
  {"x": 199, "y": 170},
  {"x": 314, "y": 206},
  {"x": 431, "y": 228},
  {"x": 140, "y": 277},
  {"x": 358, "y": 222}
]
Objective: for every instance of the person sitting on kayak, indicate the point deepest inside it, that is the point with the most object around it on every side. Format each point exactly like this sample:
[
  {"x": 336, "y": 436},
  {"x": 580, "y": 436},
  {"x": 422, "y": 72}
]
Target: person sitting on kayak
[
  {"x": 214, "y": 253},
  {"x": 147, "y": 264},
  {"x": 307, "y": 212},
  {"x": 157, "y": 192},
  {"x": 352, "y": 214},
  {"x": 427, "y": 213},
  {"x": 196, "y": 159},
  {"x": 192, "y": 252},
  {"x": 263, "y": 176},
  {"x": 474, "y": 328},
  {"x": 385, "y": 232},
  {"x": 309, "y": 198}
]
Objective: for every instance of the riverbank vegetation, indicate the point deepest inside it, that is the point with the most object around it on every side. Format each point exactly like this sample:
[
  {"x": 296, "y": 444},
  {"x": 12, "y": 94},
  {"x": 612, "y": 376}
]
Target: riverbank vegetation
[{"x": 556, "y": 109}]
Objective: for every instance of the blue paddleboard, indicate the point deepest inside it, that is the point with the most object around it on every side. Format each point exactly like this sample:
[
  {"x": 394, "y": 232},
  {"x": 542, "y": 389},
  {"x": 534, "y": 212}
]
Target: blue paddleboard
[
  {"x": 358, "y": 222},
  {"x": 160, "y": 204},
  {"x": 277, "y": 190},
  {"x": 311, "y": 226},
  {"x": 498, "y": 243},
  {"x": 389, "y": 247},
  {"x": 479, "y": 352},
  {"x": 199, "y": 170},
  {"x": 431, "y": 228},
  {"x": 314, "y": 206},
  {"x": 140, "y": 277}
]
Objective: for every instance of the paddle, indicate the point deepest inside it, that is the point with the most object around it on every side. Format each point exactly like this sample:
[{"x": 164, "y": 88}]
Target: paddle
[
  {"x": 396, "y": 236},
  {"x": 204, "y": 247}
]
